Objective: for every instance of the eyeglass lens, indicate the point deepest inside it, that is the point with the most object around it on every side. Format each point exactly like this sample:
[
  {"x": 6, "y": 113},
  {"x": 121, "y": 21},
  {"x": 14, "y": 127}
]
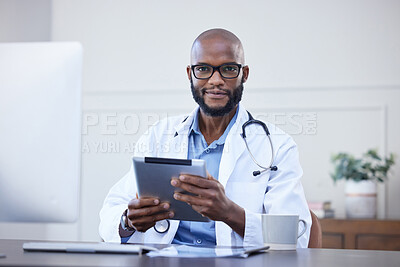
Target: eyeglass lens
[{"x": 226, "y": 71}]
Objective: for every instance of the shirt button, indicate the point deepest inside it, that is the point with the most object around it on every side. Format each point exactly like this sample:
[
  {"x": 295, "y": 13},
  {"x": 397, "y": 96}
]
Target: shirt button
[
  {"x": 207, "y": 150},
  {"x": 198, "y": 241}
]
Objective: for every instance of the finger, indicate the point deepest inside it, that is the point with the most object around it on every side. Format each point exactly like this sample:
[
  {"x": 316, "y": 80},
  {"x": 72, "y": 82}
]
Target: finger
[
  {"x": 144, "y": 227},
  {"x": 192, "y": 200},
  {"x": 175, "y": 182},
  {"x": 149, "y": 221},
  {"x": 147, "y": 211},
  {"x": 202, "y": 192},
  {"x": 138, "y": 203},
  {"x": 209, "y": 176},
  {"x": 137, "y": 196},
  {"x": 197, "y": 180}
]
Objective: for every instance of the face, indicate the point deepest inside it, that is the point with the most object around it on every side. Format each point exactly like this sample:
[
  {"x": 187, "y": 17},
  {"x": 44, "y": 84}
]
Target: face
[{"x": 217, "y": 96}]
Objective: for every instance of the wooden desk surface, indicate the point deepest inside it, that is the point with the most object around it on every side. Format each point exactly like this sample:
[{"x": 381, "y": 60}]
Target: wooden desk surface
[{"x": 301, "y": 257}]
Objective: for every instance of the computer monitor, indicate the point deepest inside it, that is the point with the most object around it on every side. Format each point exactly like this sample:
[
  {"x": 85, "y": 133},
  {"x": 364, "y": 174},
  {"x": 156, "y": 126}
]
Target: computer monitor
[{"x": 40, "y": 131}]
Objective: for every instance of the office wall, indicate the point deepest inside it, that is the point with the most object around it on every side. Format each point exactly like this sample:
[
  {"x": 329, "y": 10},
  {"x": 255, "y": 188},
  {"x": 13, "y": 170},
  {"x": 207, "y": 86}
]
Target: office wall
[
  {"x": 325, "y": 71},
  {"x": 25, "y": 20}
]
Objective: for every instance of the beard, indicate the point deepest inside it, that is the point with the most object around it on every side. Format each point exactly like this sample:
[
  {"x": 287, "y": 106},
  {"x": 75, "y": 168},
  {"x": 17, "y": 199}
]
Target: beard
[{"x": 234, "y": 99}]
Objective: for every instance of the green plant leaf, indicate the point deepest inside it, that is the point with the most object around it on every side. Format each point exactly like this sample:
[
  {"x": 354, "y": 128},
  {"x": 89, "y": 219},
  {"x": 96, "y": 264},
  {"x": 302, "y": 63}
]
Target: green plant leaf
[{"x": 369, "y": 167}]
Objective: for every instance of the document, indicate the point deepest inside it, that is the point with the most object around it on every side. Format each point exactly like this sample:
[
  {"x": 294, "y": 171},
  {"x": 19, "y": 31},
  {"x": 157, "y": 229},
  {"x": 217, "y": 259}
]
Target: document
[{"x": 183, "y": 251}]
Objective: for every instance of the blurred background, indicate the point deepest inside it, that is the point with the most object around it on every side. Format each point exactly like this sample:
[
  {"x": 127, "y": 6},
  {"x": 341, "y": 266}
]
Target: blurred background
[{"x": 327, "y": 72}]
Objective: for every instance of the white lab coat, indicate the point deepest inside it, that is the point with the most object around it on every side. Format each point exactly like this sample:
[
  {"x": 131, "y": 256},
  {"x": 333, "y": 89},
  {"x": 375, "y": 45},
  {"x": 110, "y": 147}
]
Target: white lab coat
[{"x": 276, "y": 192}]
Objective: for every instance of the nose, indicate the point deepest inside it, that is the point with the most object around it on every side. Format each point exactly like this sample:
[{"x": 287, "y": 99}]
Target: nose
[{"x": 216, "y": 79}]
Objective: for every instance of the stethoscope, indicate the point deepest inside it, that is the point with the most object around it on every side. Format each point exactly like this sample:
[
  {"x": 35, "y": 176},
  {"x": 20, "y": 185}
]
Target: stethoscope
[
  {"x": 253, "y": 121},
  {"x": 163, "y": 226}
]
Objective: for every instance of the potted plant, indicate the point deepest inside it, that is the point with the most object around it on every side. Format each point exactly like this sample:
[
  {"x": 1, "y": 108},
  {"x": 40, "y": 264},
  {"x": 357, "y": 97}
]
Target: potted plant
[{"x": 361, "y": 175}]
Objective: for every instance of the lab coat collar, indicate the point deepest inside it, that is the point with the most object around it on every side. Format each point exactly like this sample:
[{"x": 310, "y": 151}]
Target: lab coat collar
[
  {"x": 234, "y": 147},
  {"x": 184, "y": 127},
  {"x": 177, "y": 145}
]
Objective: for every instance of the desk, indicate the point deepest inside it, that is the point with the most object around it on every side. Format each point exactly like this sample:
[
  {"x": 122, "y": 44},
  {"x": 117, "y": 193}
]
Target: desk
[{"x": 302, "y": 257}]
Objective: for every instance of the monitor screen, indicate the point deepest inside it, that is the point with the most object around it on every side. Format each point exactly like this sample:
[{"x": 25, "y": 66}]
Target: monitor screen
[{"x": 40, "y": 131}]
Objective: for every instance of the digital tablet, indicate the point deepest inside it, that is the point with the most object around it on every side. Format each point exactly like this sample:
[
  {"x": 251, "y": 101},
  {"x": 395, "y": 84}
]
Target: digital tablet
[{"x": 153, "y": 179}]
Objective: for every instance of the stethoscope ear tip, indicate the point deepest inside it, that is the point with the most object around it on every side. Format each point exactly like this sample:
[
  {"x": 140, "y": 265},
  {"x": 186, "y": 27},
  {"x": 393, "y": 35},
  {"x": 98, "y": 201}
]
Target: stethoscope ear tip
[{"x": 255, "y": 173}]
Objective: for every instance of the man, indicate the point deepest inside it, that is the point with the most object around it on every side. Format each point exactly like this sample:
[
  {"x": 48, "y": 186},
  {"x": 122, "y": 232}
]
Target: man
[{"x": 230, "y": 196}]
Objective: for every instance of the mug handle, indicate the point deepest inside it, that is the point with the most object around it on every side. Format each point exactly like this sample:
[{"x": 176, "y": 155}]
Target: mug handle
[{"x": 305, "y": 227}]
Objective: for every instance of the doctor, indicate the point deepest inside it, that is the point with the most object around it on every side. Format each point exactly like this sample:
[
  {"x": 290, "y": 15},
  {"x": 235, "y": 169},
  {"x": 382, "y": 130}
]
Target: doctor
[{"x": 231, "y": 196}]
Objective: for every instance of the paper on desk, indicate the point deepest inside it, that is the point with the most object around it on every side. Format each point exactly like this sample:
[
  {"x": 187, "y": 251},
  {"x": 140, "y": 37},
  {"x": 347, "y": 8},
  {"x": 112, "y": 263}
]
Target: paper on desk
[{"x": 184, "y": 251}]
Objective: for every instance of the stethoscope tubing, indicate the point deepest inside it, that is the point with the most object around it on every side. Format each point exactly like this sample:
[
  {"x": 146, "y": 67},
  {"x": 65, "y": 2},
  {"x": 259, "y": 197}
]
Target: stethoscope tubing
[
  {"x": 273, "y": 168},
  {"x": 265, "y": 128}
]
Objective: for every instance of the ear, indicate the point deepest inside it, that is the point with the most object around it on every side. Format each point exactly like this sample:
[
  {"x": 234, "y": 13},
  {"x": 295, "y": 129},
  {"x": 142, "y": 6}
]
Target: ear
[
  {"x": 245, "y": 73},
  {"x": 189, "y": 72}
]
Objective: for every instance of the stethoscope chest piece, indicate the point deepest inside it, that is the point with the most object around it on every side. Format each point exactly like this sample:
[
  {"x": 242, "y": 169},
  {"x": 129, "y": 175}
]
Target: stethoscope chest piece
[{"x": 162, "y": 226}]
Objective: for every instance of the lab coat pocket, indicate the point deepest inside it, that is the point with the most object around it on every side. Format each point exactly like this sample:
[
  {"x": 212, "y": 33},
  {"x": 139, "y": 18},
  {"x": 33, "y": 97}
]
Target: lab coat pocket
[{"x": 248, "y": 195}]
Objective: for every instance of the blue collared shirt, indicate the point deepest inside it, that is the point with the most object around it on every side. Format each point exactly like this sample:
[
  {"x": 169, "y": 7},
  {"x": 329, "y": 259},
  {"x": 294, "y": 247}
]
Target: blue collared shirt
[{"x": 202, "y": 233}]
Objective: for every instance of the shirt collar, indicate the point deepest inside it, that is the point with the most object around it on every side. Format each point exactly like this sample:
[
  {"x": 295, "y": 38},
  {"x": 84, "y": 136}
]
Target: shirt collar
[{"x": 194, "y": 128}]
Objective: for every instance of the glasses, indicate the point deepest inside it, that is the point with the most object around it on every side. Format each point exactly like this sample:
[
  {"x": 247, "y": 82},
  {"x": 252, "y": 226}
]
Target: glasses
[{"x": 227, "y": 70}]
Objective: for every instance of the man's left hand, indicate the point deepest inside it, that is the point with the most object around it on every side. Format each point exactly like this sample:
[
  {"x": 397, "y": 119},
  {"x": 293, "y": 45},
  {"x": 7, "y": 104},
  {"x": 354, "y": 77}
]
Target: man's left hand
[{"x": 210, "y": 200}]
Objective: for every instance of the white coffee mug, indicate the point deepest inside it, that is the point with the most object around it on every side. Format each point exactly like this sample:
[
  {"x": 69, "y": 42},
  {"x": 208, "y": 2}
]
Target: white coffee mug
[{"x": 280, "y": 232}]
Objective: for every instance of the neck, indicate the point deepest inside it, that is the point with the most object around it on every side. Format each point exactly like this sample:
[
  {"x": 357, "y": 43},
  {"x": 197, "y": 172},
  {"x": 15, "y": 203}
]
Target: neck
[{"x": 213, "y": 127}]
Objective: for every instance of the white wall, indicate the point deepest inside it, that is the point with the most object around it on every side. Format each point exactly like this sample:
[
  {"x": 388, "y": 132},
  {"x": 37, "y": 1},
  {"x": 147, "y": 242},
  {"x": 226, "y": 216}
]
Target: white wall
[
  {"x": 325, "y": 71},
  {"x": 25, "y": 20}
]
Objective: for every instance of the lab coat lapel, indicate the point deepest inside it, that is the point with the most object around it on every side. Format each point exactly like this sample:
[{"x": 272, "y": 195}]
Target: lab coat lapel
[
  {"x": 233, "y": 148},
  {"x": 178, "y": 144}
]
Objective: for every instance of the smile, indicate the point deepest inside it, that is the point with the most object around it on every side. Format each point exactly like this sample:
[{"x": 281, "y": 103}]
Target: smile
[{"x": 216, "y": 93}]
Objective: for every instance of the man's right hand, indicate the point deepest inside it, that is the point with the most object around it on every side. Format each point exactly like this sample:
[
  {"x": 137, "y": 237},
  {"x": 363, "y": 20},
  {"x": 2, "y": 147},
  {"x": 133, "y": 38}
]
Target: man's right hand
[{"x": 143, "y": 213}]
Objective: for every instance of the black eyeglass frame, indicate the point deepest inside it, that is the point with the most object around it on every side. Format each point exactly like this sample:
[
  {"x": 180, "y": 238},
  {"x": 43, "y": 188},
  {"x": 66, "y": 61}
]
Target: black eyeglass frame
[{"x": 216, "y": 68}]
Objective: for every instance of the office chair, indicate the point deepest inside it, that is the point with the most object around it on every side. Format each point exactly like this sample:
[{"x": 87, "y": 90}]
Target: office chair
[{"x": 315, "y": 233}]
